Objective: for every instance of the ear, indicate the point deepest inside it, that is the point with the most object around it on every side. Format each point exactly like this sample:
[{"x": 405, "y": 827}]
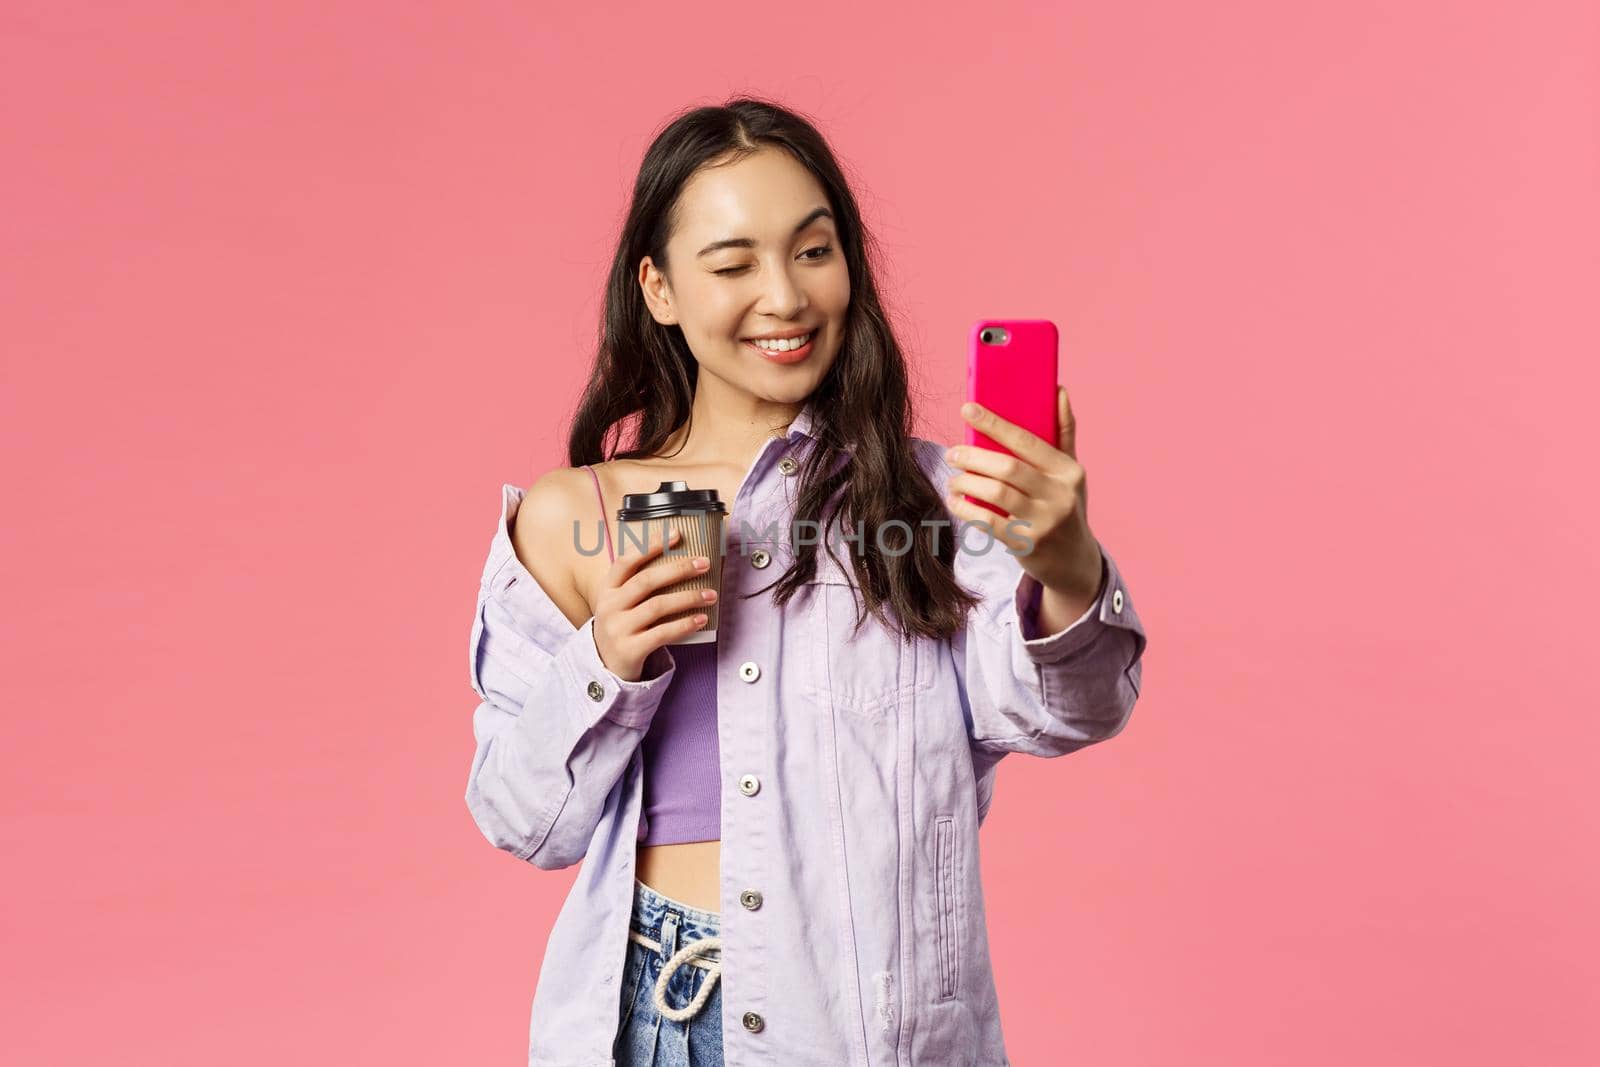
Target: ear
[{"x": 657, "y": 294}]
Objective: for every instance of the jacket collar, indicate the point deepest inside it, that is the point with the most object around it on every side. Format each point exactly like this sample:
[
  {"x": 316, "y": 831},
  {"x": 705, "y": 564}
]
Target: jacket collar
[{"x": 801, "y": 426}]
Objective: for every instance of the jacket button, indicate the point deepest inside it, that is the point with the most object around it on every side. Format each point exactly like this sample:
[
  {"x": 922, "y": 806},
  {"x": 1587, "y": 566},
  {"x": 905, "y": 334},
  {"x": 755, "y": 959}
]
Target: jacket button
[
  {"x": 749, "y": 785},
  {"x": 596, "y": 691},
  {"x": 750, "y": 899},
  {"x": 788, "y": 466},
  {"x": 759, "y": 559},
  {"x": 748, "y": 671},
  {"x": 1116, "y": 600},
  {"x": 753, "y": 1022}
]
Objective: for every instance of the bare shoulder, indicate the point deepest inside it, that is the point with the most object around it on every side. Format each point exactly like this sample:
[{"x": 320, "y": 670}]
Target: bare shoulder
[{"x": 541, "y": 533}]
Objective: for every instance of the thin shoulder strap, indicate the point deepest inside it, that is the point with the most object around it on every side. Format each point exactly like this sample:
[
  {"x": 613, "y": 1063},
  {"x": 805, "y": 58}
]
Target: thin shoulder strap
[{"x": 601, "y": 497}]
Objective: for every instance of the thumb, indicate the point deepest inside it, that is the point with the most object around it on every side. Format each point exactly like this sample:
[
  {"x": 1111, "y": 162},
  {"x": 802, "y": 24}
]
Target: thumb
[{"x": 1066, "y": 425}]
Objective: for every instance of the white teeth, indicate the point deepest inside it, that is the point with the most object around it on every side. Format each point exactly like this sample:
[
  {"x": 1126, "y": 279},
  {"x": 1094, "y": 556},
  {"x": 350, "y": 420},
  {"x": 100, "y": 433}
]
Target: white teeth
[{"x": 786, "y": 345}]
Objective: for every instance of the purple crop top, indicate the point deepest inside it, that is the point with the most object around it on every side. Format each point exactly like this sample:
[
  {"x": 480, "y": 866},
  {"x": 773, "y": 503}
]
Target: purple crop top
[{"x": 682, "y": 763}]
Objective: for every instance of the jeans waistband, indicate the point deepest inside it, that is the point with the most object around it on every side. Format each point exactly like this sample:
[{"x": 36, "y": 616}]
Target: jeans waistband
[{"x": 649, "y": 906}]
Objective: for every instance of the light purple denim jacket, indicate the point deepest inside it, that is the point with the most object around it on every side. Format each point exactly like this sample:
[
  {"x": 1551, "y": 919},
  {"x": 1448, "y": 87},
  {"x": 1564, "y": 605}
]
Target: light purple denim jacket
[{"x": 868, "y": 763}]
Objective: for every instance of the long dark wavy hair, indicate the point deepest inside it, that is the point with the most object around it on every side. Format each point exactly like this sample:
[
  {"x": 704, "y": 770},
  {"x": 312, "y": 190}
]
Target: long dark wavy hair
[{"x": 644, "y": 374}]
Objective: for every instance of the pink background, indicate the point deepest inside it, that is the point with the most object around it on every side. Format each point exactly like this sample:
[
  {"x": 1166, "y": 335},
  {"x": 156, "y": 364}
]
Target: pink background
[{"x": 287, "y": 292}]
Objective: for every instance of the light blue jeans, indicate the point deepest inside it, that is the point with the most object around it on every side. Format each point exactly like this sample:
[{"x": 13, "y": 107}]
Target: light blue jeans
[{"x": 660, "y": 930}]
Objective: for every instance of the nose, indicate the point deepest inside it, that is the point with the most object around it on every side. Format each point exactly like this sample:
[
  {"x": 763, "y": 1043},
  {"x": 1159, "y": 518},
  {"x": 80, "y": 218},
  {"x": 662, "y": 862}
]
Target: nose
[{"x": 782, "y": 297}]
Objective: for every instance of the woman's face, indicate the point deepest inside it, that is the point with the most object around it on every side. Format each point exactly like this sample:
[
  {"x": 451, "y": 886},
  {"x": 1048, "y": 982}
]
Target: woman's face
[{"x": 755, "y": 253}]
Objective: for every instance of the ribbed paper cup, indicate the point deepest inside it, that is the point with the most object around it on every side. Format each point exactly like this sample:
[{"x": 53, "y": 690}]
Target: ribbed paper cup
[{"x": 645, "y": 520}]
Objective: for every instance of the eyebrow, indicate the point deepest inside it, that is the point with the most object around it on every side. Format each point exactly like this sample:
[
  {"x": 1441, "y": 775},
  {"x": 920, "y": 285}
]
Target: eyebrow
[{"x": 746, "y": 242}]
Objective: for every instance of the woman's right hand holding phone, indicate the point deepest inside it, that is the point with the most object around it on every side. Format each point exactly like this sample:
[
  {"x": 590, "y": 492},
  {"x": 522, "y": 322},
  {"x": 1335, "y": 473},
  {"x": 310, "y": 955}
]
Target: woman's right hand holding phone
[{"x": 630, "y": 606}]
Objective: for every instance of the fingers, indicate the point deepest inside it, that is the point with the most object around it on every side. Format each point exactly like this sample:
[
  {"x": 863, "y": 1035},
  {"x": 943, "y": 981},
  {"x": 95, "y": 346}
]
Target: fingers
[
  {"x": 995, "y": 467},
  {"x": 668, "y": 632},
  {"x": 646, "y": 586},
  {"x": 625, "y": 568},
  {"x": 625, "y": 612},
  {"x": 1012, "y": 500},
  {"x": 656, "y": 608},
  {"x": 1013, "y": 532},
  {"x": 641, "y": 581},
  {"x": 1024, "y": 443}
]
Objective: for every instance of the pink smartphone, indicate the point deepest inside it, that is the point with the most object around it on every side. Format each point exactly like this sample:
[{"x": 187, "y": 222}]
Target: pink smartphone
[{"x": 1011, "y": 370}]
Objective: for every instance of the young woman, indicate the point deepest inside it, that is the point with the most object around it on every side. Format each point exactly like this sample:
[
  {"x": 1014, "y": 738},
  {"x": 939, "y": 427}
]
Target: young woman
[{"x": 779, "y": 829}]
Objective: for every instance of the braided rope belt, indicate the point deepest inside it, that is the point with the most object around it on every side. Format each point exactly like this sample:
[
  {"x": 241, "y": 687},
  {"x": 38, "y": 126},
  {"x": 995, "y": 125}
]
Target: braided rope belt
[{"x": 690, "y": 952}]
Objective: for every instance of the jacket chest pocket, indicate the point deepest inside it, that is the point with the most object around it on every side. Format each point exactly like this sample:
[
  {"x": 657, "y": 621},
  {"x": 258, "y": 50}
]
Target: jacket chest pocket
[{"x": 864, "y": 671}]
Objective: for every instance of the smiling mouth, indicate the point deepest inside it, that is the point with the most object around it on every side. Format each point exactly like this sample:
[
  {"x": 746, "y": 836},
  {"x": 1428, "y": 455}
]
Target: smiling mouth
[{"x": 791, "y": 350}]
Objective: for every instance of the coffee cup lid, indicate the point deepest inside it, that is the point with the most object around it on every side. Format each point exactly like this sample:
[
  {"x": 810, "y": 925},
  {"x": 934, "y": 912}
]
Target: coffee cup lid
[{"x": 670, "y": 498}]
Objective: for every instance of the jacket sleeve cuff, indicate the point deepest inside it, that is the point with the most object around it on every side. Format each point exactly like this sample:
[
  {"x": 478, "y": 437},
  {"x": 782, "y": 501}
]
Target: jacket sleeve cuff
[
  {"x": 1110, "y": 608},
  {"x": 629, "y": 704}
]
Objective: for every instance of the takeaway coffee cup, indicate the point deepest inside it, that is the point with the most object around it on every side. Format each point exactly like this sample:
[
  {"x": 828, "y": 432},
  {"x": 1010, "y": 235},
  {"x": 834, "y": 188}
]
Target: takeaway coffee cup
[{"x": 646, "y": 520}]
